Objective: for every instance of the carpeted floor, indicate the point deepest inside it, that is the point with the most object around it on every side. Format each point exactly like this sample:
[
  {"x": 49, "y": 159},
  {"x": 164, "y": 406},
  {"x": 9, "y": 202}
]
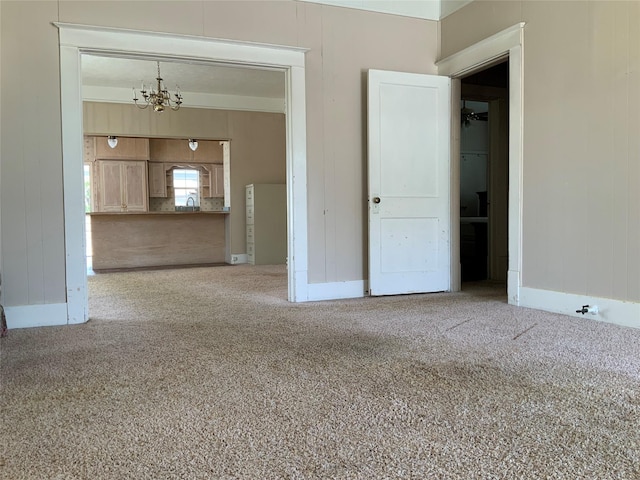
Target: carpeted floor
[{"x": 209, "y": 373}]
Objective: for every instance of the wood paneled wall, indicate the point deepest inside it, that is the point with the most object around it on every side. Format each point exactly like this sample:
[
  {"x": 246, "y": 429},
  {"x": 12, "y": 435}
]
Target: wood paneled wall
[{"x": 258, "y": 148}]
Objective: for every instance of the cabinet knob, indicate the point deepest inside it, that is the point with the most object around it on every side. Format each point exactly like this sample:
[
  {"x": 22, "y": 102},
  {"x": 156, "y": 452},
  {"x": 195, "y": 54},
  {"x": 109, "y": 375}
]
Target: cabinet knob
[{"x": 376, "y": 199}]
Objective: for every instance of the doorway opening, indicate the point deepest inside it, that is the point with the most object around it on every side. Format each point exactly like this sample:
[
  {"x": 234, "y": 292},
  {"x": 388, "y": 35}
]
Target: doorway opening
[
  {"x": 76, "y": 40},
  {"x": 484, "y": 175},
  {"x": 493, "y": 50}
]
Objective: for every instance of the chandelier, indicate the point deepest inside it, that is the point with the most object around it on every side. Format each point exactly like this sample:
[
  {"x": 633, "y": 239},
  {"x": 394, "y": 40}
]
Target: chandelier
[{"x": 158, "y": 98}]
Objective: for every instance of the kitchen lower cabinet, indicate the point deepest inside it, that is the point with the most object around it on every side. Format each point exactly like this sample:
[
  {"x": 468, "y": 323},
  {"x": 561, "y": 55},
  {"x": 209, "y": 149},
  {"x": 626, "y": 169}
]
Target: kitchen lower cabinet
[{"x": 266, "y": 223}]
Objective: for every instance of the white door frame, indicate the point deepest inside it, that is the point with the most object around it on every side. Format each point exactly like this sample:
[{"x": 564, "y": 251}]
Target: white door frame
[
  {"x": 78, "y": 39},
  {"x": 507, "y": 43}
]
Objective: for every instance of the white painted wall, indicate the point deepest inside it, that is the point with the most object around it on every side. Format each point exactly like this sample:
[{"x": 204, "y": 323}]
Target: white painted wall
[
  {"x": 581, "y": 175},
  {"x": 343, "y": 44}
]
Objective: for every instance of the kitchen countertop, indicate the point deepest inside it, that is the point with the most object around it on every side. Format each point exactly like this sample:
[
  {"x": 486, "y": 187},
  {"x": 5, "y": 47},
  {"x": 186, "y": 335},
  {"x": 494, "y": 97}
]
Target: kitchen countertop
[{"x": 161, "y": 213}]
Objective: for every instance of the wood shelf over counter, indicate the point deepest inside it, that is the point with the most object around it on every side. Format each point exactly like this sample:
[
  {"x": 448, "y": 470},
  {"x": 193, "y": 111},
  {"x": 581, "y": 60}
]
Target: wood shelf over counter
[{"x": 155, "y": 239}]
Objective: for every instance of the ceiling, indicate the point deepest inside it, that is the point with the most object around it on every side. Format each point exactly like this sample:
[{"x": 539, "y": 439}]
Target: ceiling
[
  {"x": 202, "y": 78},
  {"x": 112, "y": 79},
  {"x": 426, "y": 9}
]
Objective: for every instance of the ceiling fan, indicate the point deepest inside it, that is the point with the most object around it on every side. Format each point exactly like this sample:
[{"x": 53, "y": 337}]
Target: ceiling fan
[{"x": 468, "y": 114}]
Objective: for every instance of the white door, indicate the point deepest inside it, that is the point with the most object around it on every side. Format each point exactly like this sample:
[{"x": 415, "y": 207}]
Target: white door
[{"x": 409, "y": 183}]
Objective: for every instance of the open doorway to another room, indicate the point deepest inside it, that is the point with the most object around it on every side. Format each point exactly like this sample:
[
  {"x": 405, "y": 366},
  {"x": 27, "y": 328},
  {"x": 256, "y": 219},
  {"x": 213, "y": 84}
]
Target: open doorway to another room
[
  {"x": 78, "y": 41},
  {"x": 474, "y": 152},
  {"x": 484, "y": 175},
  {"x": 158, "y": 186}
]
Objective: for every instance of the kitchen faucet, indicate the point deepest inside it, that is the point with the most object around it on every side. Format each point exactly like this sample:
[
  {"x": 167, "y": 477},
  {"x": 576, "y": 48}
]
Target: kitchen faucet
[{"x": 193, "y": 200}]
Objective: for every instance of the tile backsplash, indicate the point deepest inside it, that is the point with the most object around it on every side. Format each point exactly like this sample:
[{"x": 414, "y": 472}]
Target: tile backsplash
[{"x": 167, "y": 205}]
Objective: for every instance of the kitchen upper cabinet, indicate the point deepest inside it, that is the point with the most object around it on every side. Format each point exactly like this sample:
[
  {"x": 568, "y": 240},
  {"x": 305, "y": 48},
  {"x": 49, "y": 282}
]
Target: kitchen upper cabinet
[
  {"x": 128, "y": 148},
  {"x": 218, "y": 181},
  {"x": 212, "y": 181},
  {"x": 157, "y": 180},
  {"x": 122, "y": 186},
  {"x": 121, "y": 183}
]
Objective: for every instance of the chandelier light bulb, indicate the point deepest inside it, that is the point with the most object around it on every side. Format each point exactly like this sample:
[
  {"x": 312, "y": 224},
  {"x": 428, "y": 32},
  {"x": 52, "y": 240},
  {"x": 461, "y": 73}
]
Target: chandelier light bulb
[
  {"x": 193, "y": 144},
  {"x": 112, "y": 141}
]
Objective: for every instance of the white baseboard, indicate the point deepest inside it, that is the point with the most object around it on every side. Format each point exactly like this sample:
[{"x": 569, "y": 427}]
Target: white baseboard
[
  {"x": 46, "y": 315},
  {"x": 336, "y": 290},
  {"x": 238, "y": 258},
  {"x": 609, "y": 310}
]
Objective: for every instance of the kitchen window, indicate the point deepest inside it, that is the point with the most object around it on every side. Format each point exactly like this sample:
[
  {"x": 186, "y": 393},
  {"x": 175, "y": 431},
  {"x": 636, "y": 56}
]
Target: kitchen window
[{"x": 186, "y": 187}]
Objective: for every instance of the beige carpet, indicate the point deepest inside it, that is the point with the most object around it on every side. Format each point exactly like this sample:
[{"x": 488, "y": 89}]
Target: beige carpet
[{"x": 209, "y": 373}]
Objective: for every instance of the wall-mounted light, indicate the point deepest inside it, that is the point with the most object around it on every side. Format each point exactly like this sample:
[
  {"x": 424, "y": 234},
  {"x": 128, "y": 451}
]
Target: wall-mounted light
[
  {"x": 112, "y": 141},
  {"x": 193, "y": 144}
]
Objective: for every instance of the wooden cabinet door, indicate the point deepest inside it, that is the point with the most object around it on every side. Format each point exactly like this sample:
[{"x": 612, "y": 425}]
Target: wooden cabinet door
[
  {"x": 110, "y": 184},
  {"x": 217, "y": 181},
  {"x": 212, "y": 181},
  {"x": 122, "y": 186},
  {"x": 157, "y": 180},
  {"x": 134, "y": 183}
]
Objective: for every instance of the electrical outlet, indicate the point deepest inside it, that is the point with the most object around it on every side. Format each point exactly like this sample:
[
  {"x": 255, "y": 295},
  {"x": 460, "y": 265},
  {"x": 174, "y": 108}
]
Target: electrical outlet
[{"x": 234, "y": 259}]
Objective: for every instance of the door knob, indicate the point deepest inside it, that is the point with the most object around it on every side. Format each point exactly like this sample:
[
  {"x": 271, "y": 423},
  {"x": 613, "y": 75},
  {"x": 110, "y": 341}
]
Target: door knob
[{"x": 376, "y": 199}]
